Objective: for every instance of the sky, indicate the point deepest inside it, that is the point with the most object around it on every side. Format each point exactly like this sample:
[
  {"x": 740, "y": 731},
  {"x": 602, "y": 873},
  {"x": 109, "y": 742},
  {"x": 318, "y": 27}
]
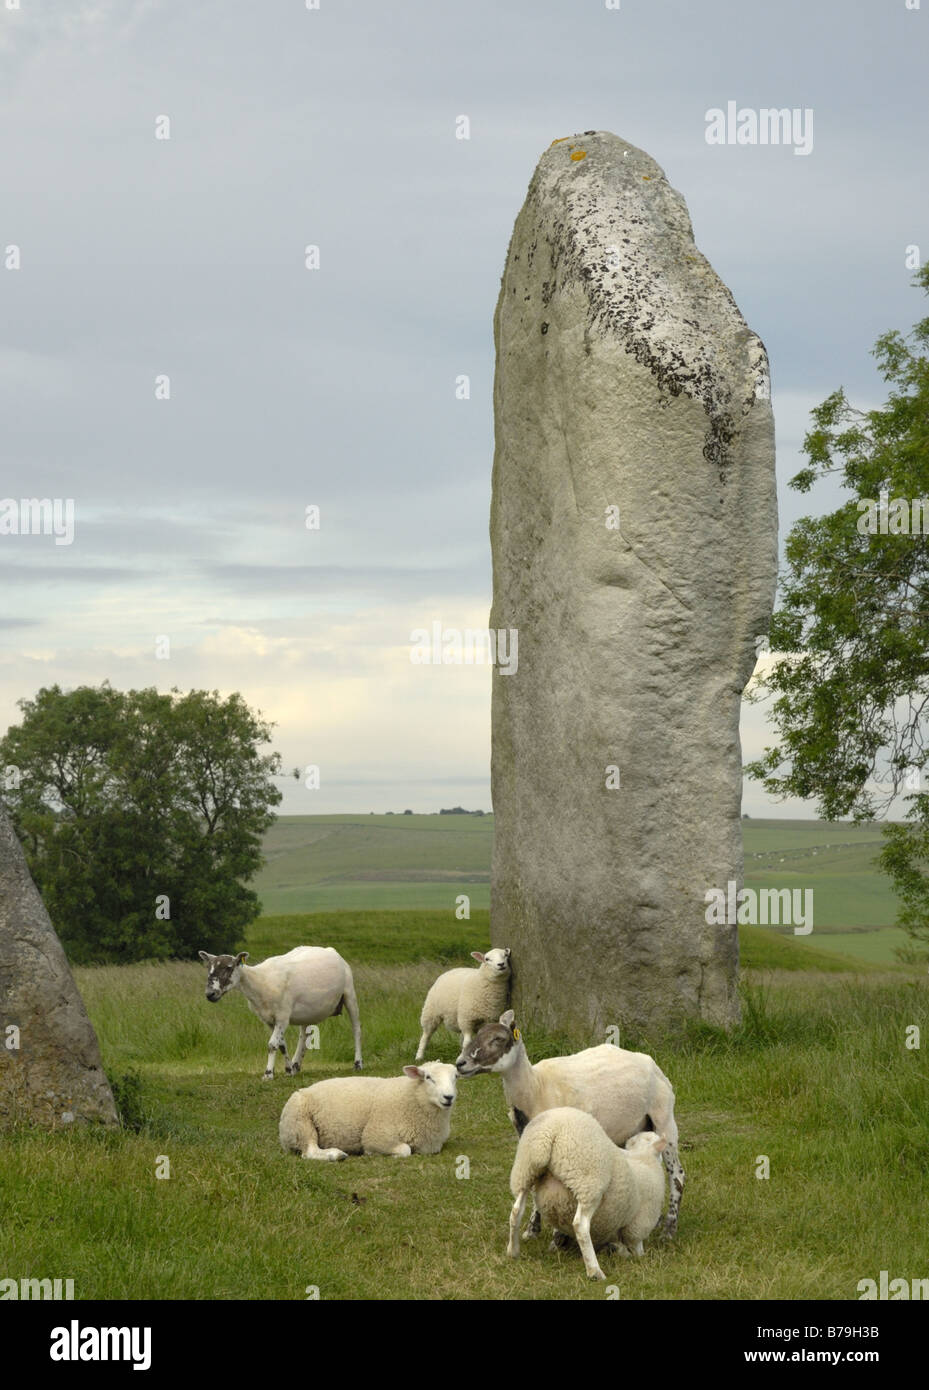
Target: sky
[{"x": 144, "y": 258}]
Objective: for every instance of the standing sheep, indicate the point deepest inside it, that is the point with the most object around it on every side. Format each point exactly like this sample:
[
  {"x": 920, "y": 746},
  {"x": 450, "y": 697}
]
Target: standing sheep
[
  {"x": 583, "y": 1181},
  {"x": 396, "y": 1115},
  {"x": 463, "y": 999},
  {"x": 307, "y": 985},
  {"x": 626, "y": 1091}
]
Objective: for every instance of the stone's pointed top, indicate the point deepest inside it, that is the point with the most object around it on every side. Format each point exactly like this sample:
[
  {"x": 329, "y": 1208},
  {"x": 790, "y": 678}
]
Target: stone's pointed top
[{"x": 613, "y": 224}]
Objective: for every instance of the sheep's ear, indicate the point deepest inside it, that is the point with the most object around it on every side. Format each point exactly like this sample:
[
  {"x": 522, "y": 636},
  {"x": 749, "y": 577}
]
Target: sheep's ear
[
  {"x": 414, "y": 1072},
  {"x": 205, "y": 956},
  {"x": 478, "y": 955},
  {"x": 660, "y": 1146},
  {"x": 507, "y": 1018},
  {"x": 242, "y": 956}
]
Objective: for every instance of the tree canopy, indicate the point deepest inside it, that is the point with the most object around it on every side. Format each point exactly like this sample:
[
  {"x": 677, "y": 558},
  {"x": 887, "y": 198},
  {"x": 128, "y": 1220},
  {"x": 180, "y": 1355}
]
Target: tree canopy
[
  {"x": 851, "y": 685},
  {"x": 142, "y": 816}
]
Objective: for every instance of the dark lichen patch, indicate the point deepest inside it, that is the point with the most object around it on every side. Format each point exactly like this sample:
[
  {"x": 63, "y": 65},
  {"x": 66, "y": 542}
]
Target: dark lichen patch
[{"x": 680, "y": 322}]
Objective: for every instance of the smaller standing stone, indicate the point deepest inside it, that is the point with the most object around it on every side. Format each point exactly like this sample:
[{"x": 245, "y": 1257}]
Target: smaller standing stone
[{"x": 50, "y": 1067}]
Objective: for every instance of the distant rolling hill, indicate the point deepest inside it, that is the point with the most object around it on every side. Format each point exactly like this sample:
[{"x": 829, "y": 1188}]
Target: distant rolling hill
[{"x": 388, "y": 862}]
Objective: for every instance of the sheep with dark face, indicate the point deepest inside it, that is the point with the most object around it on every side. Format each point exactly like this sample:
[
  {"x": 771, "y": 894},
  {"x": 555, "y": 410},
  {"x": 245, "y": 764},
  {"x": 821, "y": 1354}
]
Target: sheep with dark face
[
  {"x": 627, "y": 1092},
  {"x": 307, "y": 985}
]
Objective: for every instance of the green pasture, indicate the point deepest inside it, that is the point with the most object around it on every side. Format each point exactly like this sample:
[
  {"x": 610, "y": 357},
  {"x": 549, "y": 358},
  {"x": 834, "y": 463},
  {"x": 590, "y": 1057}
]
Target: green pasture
[{"x": 817, "y": 1078}]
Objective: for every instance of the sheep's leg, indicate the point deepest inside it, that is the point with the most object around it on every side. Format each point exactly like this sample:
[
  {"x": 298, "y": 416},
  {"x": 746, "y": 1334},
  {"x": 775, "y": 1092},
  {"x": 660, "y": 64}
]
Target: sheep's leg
[
  {"x": 304, "y": 1137},
  {"x": 535, "y": 1222},
  {"x": 664, "y": 1123},
  {"x": 581, "y": 1224},
  {"x": 327, "y": 1155},
  {"x": 516, "y": 1215},
  {"x": 351, "y": 1004},
  {"x": 428, "y": 1030},
  {"x": 676, "y": 1187},
  {"x": 275, "y": 1044},
  {"x": 293, "y": 1066},
  {"x": 385, "y": 1148}
]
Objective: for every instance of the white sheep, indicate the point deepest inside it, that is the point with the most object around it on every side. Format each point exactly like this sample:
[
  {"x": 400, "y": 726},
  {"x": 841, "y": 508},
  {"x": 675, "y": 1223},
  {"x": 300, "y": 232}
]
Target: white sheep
[
  {"x": 626, "y": 1091},
  {"x": 463, "y": 999},
  {"x": 305, "y": 986},
  {"x": 396, "y": 1115},
  {"x": 583, "y": 1182}
]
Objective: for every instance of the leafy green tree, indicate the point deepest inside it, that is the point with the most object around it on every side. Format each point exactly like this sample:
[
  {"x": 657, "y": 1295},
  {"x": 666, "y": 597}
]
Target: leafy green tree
[
  {"x": 851, "y": 690},
  {"x": 142, "y": 816}
]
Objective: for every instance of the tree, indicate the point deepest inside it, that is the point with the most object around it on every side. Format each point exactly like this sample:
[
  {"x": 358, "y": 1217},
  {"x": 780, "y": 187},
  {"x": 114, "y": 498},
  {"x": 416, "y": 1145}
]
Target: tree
[
  {"x": 852, "y": 689},
  {"x": 141, "y": 815}
]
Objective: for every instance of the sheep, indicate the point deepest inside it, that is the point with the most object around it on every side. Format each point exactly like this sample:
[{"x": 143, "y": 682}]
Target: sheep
[
  {"x": 626, "y": 1091},
  {"x": 305, "y": 986},
  {"x": 582, "y": 1180},
  {"x": 396, "y": 1115},
  {"x": 463, "y": 999}
]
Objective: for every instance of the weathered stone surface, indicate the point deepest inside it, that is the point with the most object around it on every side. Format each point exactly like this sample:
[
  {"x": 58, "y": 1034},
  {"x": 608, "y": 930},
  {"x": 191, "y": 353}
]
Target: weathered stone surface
[
  {"x": 626, "y": 377},
  {"x": 55, "y": 1076}
]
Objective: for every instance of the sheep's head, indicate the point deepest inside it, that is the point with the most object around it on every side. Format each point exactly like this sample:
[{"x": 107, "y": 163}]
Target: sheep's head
[
  {"x": 493, "y": 1047},
  {"x": 646, "y": 1144},
  {"x": 224, "y": 972},
  {"x": 497, "y": 960},
  {"x": 440, "y": 1080}
]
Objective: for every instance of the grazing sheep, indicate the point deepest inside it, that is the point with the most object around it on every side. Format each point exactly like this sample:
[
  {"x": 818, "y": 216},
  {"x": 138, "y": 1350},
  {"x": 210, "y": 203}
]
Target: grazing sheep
[
  {"x": 396, "y": 1115},
  {"x": 582, "y": 1181},
  {"x": 307, "y": 985},
  {"x": 626, "y": 1091},
  {"x": 463, "y": 999}
]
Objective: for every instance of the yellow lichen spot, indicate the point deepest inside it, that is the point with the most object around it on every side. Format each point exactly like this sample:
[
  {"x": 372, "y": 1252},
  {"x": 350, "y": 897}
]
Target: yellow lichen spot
[
  {"x": 647, "y": 178},
  {"x": 560, "y": 141},
  {"x": 578, "y": 154}
]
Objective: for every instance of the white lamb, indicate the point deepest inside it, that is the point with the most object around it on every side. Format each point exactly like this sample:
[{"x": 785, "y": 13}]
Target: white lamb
[
  {"x": 583, "y": 1182},
  {"x": 396, "y": 1115},
  {"x": 626, "y": 1091},
  {"x": 463, "y": 999}
]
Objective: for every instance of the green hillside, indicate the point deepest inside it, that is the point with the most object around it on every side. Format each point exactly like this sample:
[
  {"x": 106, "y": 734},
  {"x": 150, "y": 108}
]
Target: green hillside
[
  {"x": 318, "y": 863},
  {"x": 423, "y": 863}
]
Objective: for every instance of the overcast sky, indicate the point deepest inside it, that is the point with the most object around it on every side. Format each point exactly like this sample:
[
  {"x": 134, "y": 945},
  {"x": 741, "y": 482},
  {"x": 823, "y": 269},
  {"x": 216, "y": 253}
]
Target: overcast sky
[{"x": 335, "y": 387}]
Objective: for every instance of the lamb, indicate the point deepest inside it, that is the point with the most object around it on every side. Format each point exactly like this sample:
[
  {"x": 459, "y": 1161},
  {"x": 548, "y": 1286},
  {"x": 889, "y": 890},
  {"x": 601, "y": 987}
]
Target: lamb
[
  {"x": 397, "y": 1115},
  {"x": 582, "y": 1180},
  {"x": 627, "y": 1092},
  {"x": 464, "y": 999},
  {"x": 305, "y": 986}
]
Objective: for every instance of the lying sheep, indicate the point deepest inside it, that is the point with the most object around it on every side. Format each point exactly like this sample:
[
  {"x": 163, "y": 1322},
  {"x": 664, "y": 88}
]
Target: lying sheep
[
  {"x": 626, "y": 1091},
  {"x": 583, "y": 1181},
  {"x": 463, "y": 999},
  {"x": 396, "y": 1115}
]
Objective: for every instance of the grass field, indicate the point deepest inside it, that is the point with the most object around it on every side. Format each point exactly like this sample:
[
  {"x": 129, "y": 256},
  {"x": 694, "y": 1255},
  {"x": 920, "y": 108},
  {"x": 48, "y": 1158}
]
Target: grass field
[
  {"x": 817, "y": 1078},
  {"x": 361, "y": 863}
]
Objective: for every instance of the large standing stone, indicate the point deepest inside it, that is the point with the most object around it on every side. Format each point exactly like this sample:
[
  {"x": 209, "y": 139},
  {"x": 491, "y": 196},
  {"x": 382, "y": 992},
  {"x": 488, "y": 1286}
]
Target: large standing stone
[
  {"x": 626, "y": 378},
  {"x": 54, "y": 1075}
]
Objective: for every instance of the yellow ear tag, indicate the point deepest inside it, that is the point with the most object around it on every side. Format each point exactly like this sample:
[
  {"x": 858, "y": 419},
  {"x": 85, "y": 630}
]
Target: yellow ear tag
[{"x": 516, "y": 1035}]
